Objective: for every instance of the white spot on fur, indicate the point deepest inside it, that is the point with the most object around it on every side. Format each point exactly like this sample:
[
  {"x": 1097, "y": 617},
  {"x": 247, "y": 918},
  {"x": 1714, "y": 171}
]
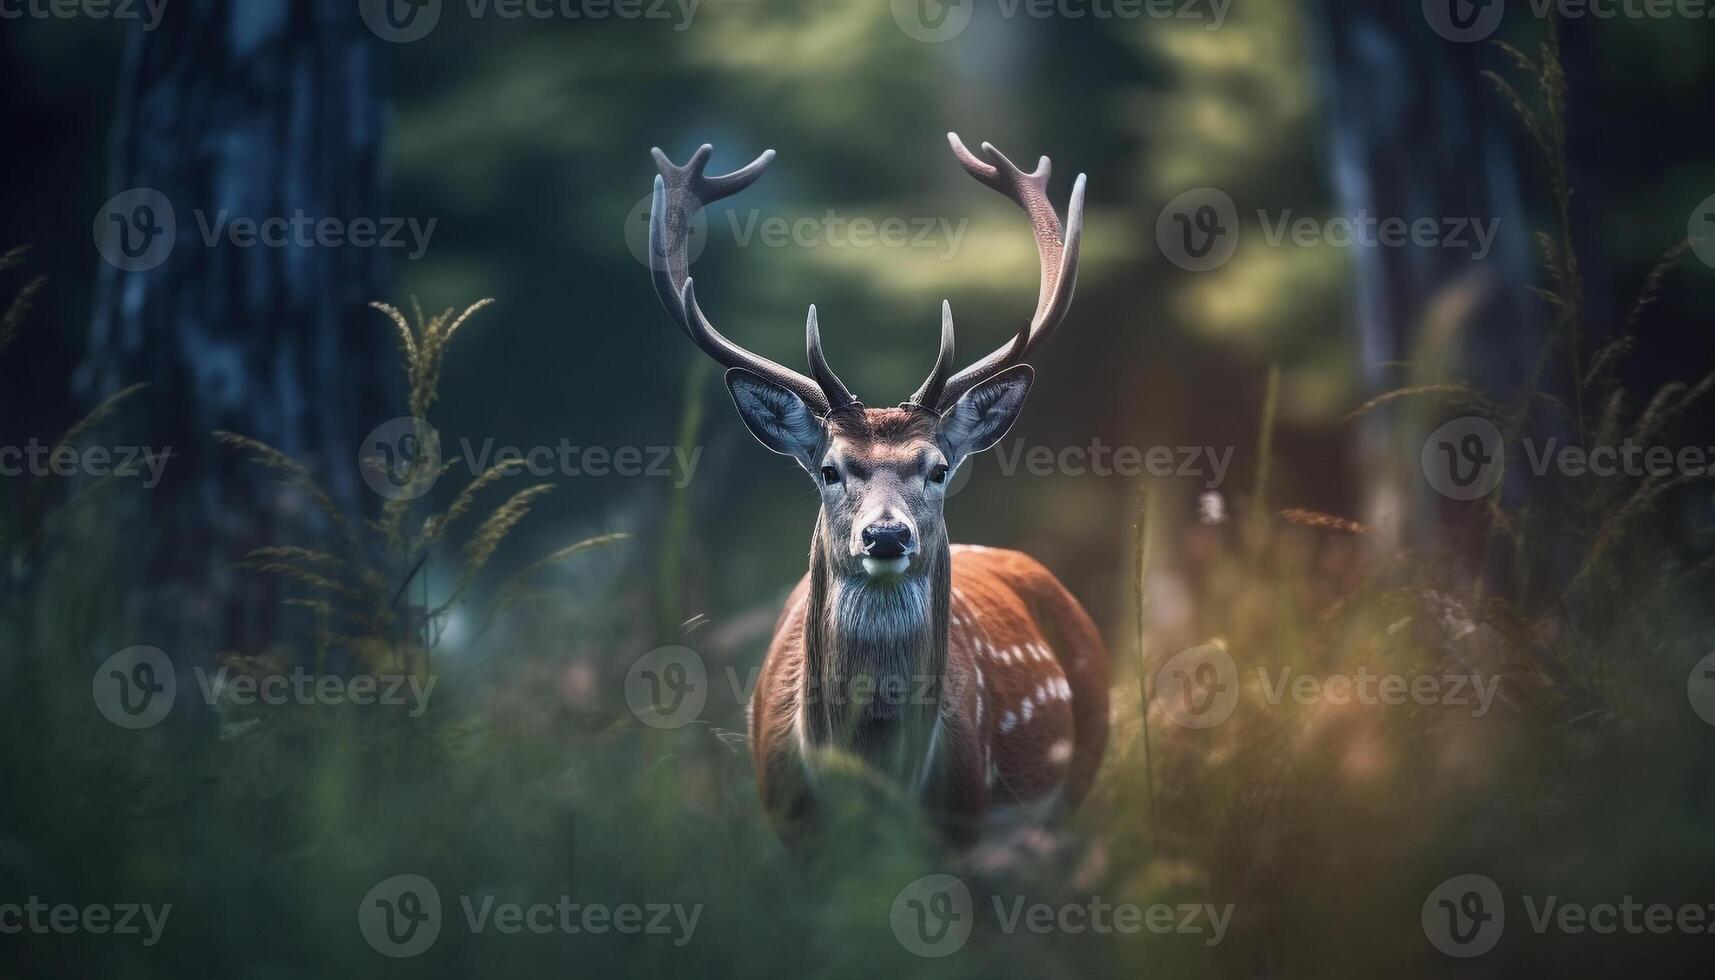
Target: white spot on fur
[
  {"x": 1008, "y": 722},
  {"x": 1060, "y": 752}
]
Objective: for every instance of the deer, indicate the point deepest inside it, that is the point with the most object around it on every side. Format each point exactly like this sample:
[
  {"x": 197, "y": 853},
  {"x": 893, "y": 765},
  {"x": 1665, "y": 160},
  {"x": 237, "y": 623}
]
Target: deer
[{"x": 966, "y": 678}]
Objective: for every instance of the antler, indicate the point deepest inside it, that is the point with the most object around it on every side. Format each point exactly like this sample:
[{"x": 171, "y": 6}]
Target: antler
[
  {"x": 1057, "y": 250},
  {"x": 680, "y": 192}
]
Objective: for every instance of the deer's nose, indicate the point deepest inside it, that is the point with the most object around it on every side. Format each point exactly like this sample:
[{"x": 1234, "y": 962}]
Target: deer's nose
[{"x": 886, "y": 539}]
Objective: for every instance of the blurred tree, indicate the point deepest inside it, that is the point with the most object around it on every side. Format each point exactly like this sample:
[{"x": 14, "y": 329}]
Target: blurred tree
[
  {"x": 1414, "y": 131},
  {"x": 244, "y": 110}
]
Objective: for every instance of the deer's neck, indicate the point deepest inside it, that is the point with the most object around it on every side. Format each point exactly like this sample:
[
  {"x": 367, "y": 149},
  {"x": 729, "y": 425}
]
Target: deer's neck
[{"x": 876, "y": 660}]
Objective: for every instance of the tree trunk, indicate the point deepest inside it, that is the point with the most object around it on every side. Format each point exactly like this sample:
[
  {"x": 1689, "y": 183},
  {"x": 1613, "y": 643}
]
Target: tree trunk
[
  {"x": 234, "y": 110},
  {"x": 1414, "y": 131}
]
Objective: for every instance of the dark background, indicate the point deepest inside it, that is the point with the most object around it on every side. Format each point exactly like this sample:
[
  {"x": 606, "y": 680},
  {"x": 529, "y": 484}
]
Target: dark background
[{"x": 527, "y": 142}]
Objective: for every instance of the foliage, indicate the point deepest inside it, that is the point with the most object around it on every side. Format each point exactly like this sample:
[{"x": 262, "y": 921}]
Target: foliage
[{"x": 357, "y": 603}]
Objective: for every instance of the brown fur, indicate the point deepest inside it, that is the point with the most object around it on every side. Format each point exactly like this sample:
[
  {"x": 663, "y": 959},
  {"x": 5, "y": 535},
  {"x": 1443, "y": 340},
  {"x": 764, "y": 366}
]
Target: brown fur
[{"x": 1003, "y": 607}]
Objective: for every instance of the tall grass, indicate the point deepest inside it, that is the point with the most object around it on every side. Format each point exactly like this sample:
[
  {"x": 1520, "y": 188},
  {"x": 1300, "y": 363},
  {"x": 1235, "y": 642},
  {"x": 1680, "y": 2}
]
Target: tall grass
[{"x": 362, "y": 604}]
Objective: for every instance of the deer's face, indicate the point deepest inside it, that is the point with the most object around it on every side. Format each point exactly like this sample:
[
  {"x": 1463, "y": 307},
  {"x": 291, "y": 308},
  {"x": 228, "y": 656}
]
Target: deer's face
[
  {"x": 882, "y": 473},
  {"x": 883, "y": 480}
]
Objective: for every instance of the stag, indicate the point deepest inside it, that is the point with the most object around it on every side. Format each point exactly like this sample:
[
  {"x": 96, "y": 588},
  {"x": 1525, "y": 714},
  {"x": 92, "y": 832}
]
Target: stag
[{"x": 966, "y": 676}]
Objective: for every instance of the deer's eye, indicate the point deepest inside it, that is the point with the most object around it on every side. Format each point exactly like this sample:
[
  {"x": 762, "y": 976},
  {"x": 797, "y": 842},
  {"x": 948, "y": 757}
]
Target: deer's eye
[
  {"x": 938, "y": 474},
  {"x": 830, "y": 475}
]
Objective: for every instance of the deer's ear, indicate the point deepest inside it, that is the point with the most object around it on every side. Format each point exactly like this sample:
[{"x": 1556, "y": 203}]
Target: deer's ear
[
  {"x": 983, "y": 415},
  {"x": 777, "y": 418}
]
